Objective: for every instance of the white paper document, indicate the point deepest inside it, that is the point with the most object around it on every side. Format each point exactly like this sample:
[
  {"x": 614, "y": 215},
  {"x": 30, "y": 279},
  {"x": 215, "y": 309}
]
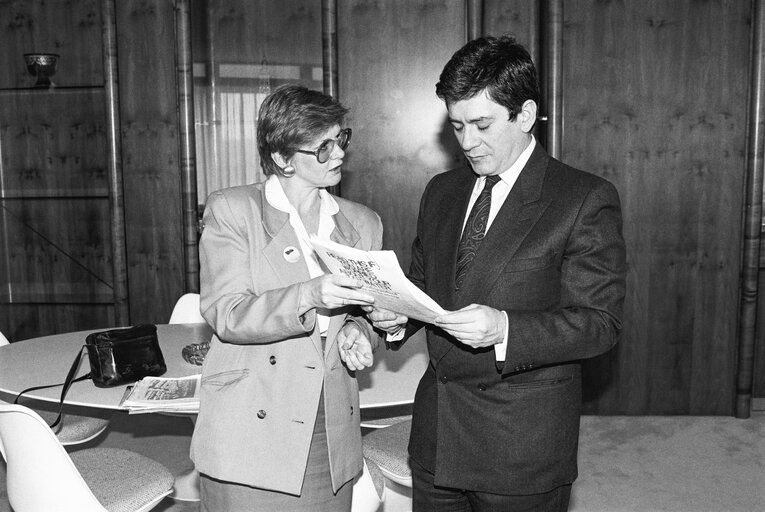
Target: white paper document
[
  {"x": 382, "y": 277},
  {"x": 161, "y": 394}
]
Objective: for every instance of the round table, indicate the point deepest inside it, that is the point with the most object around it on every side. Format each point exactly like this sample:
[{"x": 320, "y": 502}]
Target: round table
[
  {"x": 38, "y": 361},
  {"x": 46, "y": 360}
]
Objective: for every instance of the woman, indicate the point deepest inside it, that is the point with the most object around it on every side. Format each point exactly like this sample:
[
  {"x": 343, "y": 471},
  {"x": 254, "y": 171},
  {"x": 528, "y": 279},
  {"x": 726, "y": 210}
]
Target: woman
[{"x": 278, "y": 425}]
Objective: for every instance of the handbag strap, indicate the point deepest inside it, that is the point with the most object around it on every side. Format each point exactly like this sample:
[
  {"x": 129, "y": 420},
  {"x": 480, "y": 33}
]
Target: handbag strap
[{"x": 67, "y": 384}]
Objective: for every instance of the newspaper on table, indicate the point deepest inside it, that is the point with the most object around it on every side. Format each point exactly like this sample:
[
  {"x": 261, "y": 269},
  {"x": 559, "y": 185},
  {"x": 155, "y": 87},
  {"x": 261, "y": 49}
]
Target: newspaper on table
[
  {"x": 163, "y": 394},
  {"x": 382, "y": 277}
]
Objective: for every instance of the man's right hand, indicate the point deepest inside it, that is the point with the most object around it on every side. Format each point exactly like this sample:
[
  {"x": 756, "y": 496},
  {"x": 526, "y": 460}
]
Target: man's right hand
[{"x": 386, "y": 320}]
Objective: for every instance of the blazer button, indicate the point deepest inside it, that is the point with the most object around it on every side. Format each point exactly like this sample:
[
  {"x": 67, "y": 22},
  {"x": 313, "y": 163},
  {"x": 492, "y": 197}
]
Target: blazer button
[
  {"x": 261, "y": 414},
  {"x": 443, "y": 379},
  {"x": 482, "y": 387},
  {"x": 272, "y": 360}
]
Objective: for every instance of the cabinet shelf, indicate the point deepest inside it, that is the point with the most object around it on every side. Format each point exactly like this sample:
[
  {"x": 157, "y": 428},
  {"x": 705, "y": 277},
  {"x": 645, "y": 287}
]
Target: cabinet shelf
[
  {"x": 12, "y": 91},
  {"x": 17, "y": 195}
]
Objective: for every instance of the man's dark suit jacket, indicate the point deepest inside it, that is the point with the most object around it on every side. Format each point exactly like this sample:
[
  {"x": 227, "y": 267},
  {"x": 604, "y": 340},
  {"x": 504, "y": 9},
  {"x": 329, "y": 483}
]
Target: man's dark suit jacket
[{"x": 554, "y": 260}]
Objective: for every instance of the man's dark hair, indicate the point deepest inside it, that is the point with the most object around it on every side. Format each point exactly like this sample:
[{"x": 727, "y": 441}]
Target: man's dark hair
[
  {"x": 293, "y": 116},
  {"x": 499, "y": 65}
]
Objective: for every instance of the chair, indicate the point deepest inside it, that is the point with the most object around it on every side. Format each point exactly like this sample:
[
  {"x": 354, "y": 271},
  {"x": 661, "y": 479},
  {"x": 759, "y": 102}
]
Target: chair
[
  {"x": 41, "y": 475},
  {"x": 369, "y": 489},
  {"x": 73, "y": 428},
  {"x": 387, "y": 447},
  {"x": 186, "y": 310}
]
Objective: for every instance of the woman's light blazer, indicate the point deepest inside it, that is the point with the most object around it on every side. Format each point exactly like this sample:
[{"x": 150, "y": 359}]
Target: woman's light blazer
[{"x": 263, "y": 375}]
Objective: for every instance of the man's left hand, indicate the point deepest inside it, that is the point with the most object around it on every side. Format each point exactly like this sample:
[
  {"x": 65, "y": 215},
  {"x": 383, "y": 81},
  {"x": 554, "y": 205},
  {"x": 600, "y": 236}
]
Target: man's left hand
[
  {"x": 355, "y": 348},
  {"x": 475, "y": 325}
]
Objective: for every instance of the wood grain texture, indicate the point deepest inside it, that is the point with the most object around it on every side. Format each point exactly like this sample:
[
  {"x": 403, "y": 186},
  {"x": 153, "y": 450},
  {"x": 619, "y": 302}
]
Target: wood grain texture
[
  {"x": 55, "y": 251},
  {"x": 654, "y": 102},
  {"x": 151, "y": 166},
  {"x": 53, "y": 143},
  {"x": 23, "y": 321},
  {"x": 70, "y": 29},
  {"x": 400, "y": 134}
]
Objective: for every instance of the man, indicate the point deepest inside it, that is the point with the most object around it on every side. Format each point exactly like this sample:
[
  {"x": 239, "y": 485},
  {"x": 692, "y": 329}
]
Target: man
[{"x": 534, "y": 281}]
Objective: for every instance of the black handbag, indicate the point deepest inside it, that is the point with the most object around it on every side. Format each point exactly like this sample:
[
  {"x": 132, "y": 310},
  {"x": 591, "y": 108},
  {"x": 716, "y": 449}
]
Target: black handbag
[
  {"x": 117, "y": 356},
  {"x": 120, "y": 356}
]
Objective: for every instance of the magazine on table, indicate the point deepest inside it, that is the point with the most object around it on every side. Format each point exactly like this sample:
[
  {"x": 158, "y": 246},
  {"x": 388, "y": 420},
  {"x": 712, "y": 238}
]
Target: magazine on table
[
  {"x": 163, "y": 394},
  {"x": 382, "y": 277}
]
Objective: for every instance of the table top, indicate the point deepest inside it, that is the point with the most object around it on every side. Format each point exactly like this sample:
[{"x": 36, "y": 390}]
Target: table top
[
  {"x": 46, "y": 360},
  {"x": 391, "y": 381}
]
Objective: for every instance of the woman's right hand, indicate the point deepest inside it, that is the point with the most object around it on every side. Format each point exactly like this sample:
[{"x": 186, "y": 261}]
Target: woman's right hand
[
  {"x": 385, "y": 320},
  {"x": 333, "y": 291}
]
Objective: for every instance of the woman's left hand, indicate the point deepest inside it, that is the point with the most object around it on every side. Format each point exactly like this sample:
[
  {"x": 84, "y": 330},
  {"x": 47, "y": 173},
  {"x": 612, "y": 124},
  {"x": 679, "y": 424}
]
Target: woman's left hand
[{"x": 355, "y": 348}]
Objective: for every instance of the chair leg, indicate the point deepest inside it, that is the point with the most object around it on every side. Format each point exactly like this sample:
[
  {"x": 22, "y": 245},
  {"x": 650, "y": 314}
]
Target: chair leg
[{"x": 186, "y": 487}]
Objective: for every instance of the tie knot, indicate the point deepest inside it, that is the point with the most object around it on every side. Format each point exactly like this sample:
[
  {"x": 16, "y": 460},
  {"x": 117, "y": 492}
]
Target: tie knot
[{"x": 491, "y": 181}]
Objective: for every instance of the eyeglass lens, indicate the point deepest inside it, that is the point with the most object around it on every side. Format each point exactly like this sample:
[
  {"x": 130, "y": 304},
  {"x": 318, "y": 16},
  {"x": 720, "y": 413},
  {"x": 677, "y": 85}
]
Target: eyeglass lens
[{"x": 326, "y": 148}]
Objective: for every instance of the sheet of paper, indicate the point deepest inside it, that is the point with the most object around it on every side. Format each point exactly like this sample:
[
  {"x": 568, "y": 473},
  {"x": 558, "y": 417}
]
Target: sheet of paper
[{"x": 382, "y": 277}]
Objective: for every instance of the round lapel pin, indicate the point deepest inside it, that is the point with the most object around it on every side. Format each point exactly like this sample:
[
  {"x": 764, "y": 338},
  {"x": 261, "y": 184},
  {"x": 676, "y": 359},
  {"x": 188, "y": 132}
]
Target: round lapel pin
[{"x": 291, "y": 254}]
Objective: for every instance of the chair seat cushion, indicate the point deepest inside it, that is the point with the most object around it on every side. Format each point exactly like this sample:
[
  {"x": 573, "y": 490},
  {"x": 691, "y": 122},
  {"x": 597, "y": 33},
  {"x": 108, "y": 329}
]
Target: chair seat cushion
[
  {"x": 387, "y": 447},
  {"x": 114, "y": 475},
  {"x": 73, "y": 428}
]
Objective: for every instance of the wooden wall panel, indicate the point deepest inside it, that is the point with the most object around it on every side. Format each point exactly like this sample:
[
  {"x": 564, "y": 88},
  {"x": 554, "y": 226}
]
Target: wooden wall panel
[
  {"x": 263, "y": 31},
  {"x": 400, "y": 134},
  {"x": 517, "y": 18},
  {"x": 46, "y": 260},
  {"x": 53, "y": 143},
  {"x": 151, "y": 166},
  {"x": 23, "y": 321},
  {"x": 655, "y": 101},
  {"x": 70, "y": 29}
]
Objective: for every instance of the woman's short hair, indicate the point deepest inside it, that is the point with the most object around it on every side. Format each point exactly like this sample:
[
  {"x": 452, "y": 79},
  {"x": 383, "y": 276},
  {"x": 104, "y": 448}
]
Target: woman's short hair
[
  {"x": 499, "y": 65},
  {"x": 291, "y": 117}
]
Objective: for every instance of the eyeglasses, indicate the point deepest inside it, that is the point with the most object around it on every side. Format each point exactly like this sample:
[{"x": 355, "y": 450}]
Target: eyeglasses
[{"x": 325, "y": 149}]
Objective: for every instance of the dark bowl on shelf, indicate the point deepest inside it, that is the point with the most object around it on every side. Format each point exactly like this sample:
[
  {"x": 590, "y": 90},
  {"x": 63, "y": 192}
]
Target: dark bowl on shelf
[{"x": 42, "y": 66}]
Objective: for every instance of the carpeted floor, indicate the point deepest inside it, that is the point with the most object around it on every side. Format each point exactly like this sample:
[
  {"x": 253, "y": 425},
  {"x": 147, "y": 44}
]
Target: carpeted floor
[
  {"x": 626, "y": 464},
  {"x": 671, "y": 463}
]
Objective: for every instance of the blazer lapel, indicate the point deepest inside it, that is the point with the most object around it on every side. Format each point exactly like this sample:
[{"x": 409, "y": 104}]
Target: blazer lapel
[
  {"x": 344, "y": 233},
  {"x": 283, "y": 252}
]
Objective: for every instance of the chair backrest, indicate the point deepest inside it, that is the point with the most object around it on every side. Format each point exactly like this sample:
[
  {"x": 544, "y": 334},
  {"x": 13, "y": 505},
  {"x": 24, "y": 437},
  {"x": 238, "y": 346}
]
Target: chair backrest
[
  {"x": 186, "y": 310},
  {"x": 40, "y": 473}
]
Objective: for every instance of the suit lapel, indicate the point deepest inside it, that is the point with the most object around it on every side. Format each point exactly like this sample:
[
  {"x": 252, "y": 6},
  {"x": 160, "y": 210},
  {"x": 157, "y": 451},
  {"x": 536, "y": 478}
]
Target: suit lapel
[
  {"x": 514, "y": 221},
  {"x": 449, "y": 216},
  {"x": 451, "y": 213}
]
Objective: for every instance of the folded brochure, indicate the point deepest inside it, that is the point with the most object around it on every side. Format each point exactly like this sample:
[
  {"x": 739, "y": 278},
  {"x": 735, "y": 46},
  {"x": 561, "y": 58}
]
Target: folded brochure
[
  {"x": 382, "y": 277},
  {"x": 163, "y": 394}
]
